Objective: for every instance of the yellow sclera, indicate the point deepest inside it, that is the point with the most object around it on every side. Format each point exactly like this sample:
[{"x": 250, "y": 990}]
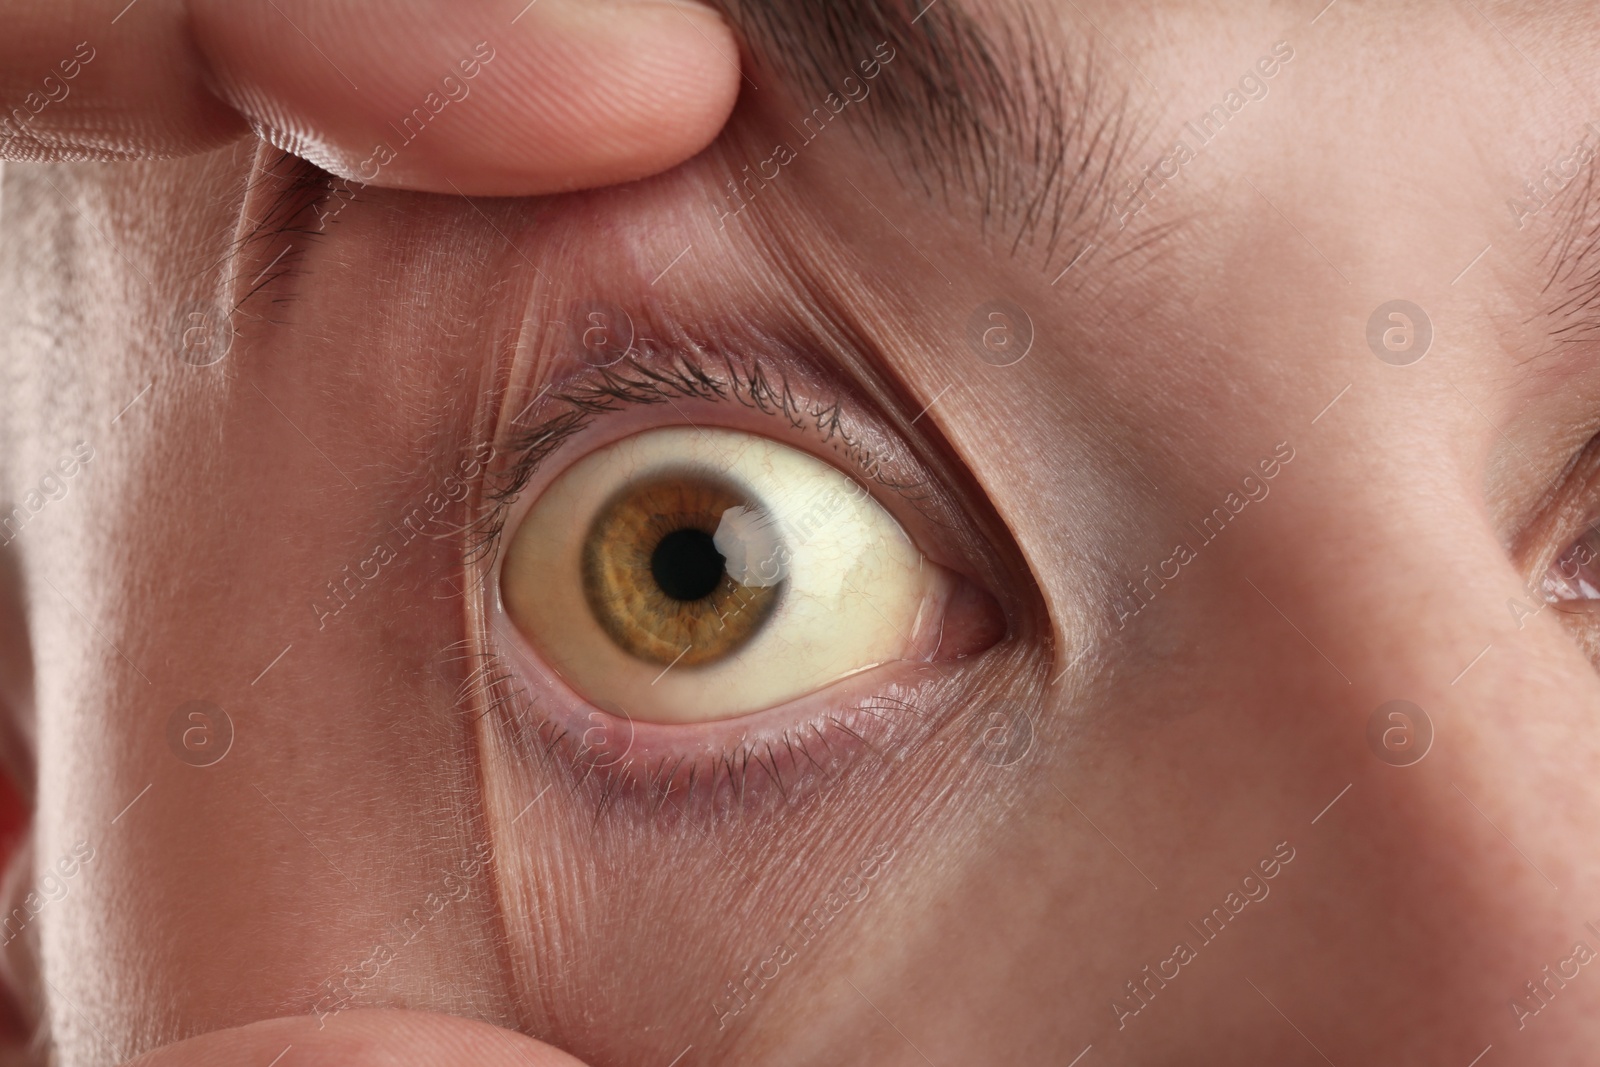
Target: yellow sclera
[{"x": 844, "y": 585}]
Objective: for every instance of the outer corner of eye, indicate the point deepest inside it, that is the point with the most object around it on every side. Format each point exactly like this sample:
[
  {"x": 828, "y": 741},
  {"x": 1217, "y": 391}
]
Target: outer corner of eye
[{"x": 688, "y": 575}]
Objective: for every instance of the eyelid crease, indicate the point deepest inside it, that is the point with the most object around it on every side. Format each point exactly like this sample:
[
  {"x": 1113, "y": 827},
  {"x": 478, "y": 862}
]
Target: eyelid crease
[{"x": 1568, "y": 509}]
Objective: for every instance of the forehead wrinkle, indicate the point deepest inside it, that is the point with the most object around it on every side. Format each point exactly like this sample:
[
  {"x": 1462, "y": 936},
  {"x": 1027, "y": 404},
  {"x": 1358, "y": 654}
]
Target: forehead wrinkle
[{"x": 1006, "y": 115}]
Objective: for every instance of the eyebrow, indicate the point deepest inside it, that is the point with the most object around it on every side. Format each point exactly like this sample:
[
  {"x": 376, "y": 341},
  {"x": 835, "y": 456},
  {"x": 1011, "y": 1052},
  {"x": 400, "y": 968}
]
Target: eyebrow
[
  {"x": 1574, "y": 278},
  {"x": 1020, "y": 124},
  {"x": 290, "y": 189}
]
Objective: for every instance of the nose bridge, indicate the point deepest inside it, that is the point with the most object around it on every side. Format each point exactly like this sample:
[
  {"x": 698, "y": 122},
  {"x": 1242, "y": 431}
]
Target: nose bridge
[
  {"x": 1391, "y": 584},
  {"x": 1348, "y": 678},
  {"x": 1336, "y": 670},
  {"x": 1384, "y": 575},
  {"x": 1378, "y": 600}
]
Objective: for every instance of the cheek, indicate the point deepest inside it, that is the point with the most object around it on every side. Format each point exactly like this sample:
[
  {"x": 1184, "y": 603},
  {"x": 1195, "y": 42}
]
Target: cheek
[{"x": 339, "y": 806}]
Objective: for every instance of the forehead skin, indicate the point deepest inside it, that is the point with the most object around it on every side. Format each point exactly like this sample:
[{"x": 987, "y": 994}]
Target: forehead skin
[{"x": 1173, "y": 754}]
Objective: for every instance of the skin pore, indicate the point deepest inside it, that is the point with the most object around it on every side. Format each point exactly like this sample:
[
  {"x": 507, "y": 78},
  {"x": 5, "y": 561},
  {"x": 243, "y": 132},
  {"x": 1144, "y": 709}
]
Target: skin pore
[{"x": 398, "y": 824}]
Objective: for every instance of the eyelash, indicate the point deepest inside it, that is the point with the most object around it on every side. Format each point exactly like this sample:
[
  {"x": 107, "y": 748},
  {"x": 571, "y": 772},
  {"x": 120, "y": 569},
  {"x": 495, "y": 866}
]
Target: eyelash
[
  {"x": 801, "y": 761},
  {"x": 680, "y": 378}
]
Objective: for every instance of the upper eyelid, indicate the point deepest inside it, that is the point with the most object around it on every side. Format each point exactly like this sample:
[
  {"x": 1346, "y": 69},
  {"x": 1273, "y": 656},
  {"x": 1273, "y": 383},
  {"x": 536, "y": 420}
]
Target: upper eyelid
[
  {"x": 669, "y": 376},
  {"x": 684, "y": 378},
  {"x": 1566, "y": 512}
]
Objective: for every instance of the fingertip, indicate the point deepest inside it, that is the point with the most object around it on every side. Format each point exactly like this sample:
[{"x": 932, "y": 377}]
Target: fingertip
[
  {"x": 517, "y": 100},
  {"x": 661, "y": 84},
  {"x": 361, "y": 1038}
]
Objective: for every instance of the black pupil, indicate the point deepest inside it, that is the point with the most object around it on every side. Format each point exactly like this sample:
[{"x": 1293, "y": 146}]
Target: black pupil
[{"x": 686, "y": 564}]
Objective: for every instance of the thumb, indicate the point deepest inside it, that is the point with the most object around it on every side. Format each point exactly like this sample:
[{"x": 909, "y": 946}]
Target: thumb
[
  {"x": 502, "y": 98},
  {"x": 491, "y": 97},
  {"x": 360, "y": 1038}
]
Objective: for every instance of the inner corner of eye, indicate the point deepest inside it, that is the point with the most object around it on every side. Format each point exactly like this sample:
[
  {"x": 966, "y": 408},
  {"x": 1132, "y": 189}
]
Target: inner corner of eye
[{"x": 687, "y": 574}]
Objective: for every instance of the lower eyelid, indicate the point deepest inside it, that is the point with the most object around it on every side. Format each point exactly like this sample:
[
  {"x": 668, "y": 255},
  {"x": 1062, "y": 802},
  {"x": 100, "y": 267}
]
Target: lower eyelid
[{"x": 758, "y": 760}]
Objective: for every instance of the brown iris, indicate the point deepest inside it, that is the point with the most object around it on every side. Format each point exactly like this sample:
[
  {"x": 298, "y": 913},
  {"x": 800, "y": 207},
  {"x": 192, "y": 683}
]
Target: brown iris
[{"x": 655, "y": 580}]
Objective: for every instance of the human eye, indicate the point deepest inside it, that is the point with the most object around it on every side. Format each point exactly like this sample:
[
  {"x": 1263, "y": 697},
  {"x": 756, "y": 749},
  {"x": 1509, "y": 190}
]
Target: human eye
[
  {"x": 702, "y": 556},
  {"x": 691, "y": 573}
]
